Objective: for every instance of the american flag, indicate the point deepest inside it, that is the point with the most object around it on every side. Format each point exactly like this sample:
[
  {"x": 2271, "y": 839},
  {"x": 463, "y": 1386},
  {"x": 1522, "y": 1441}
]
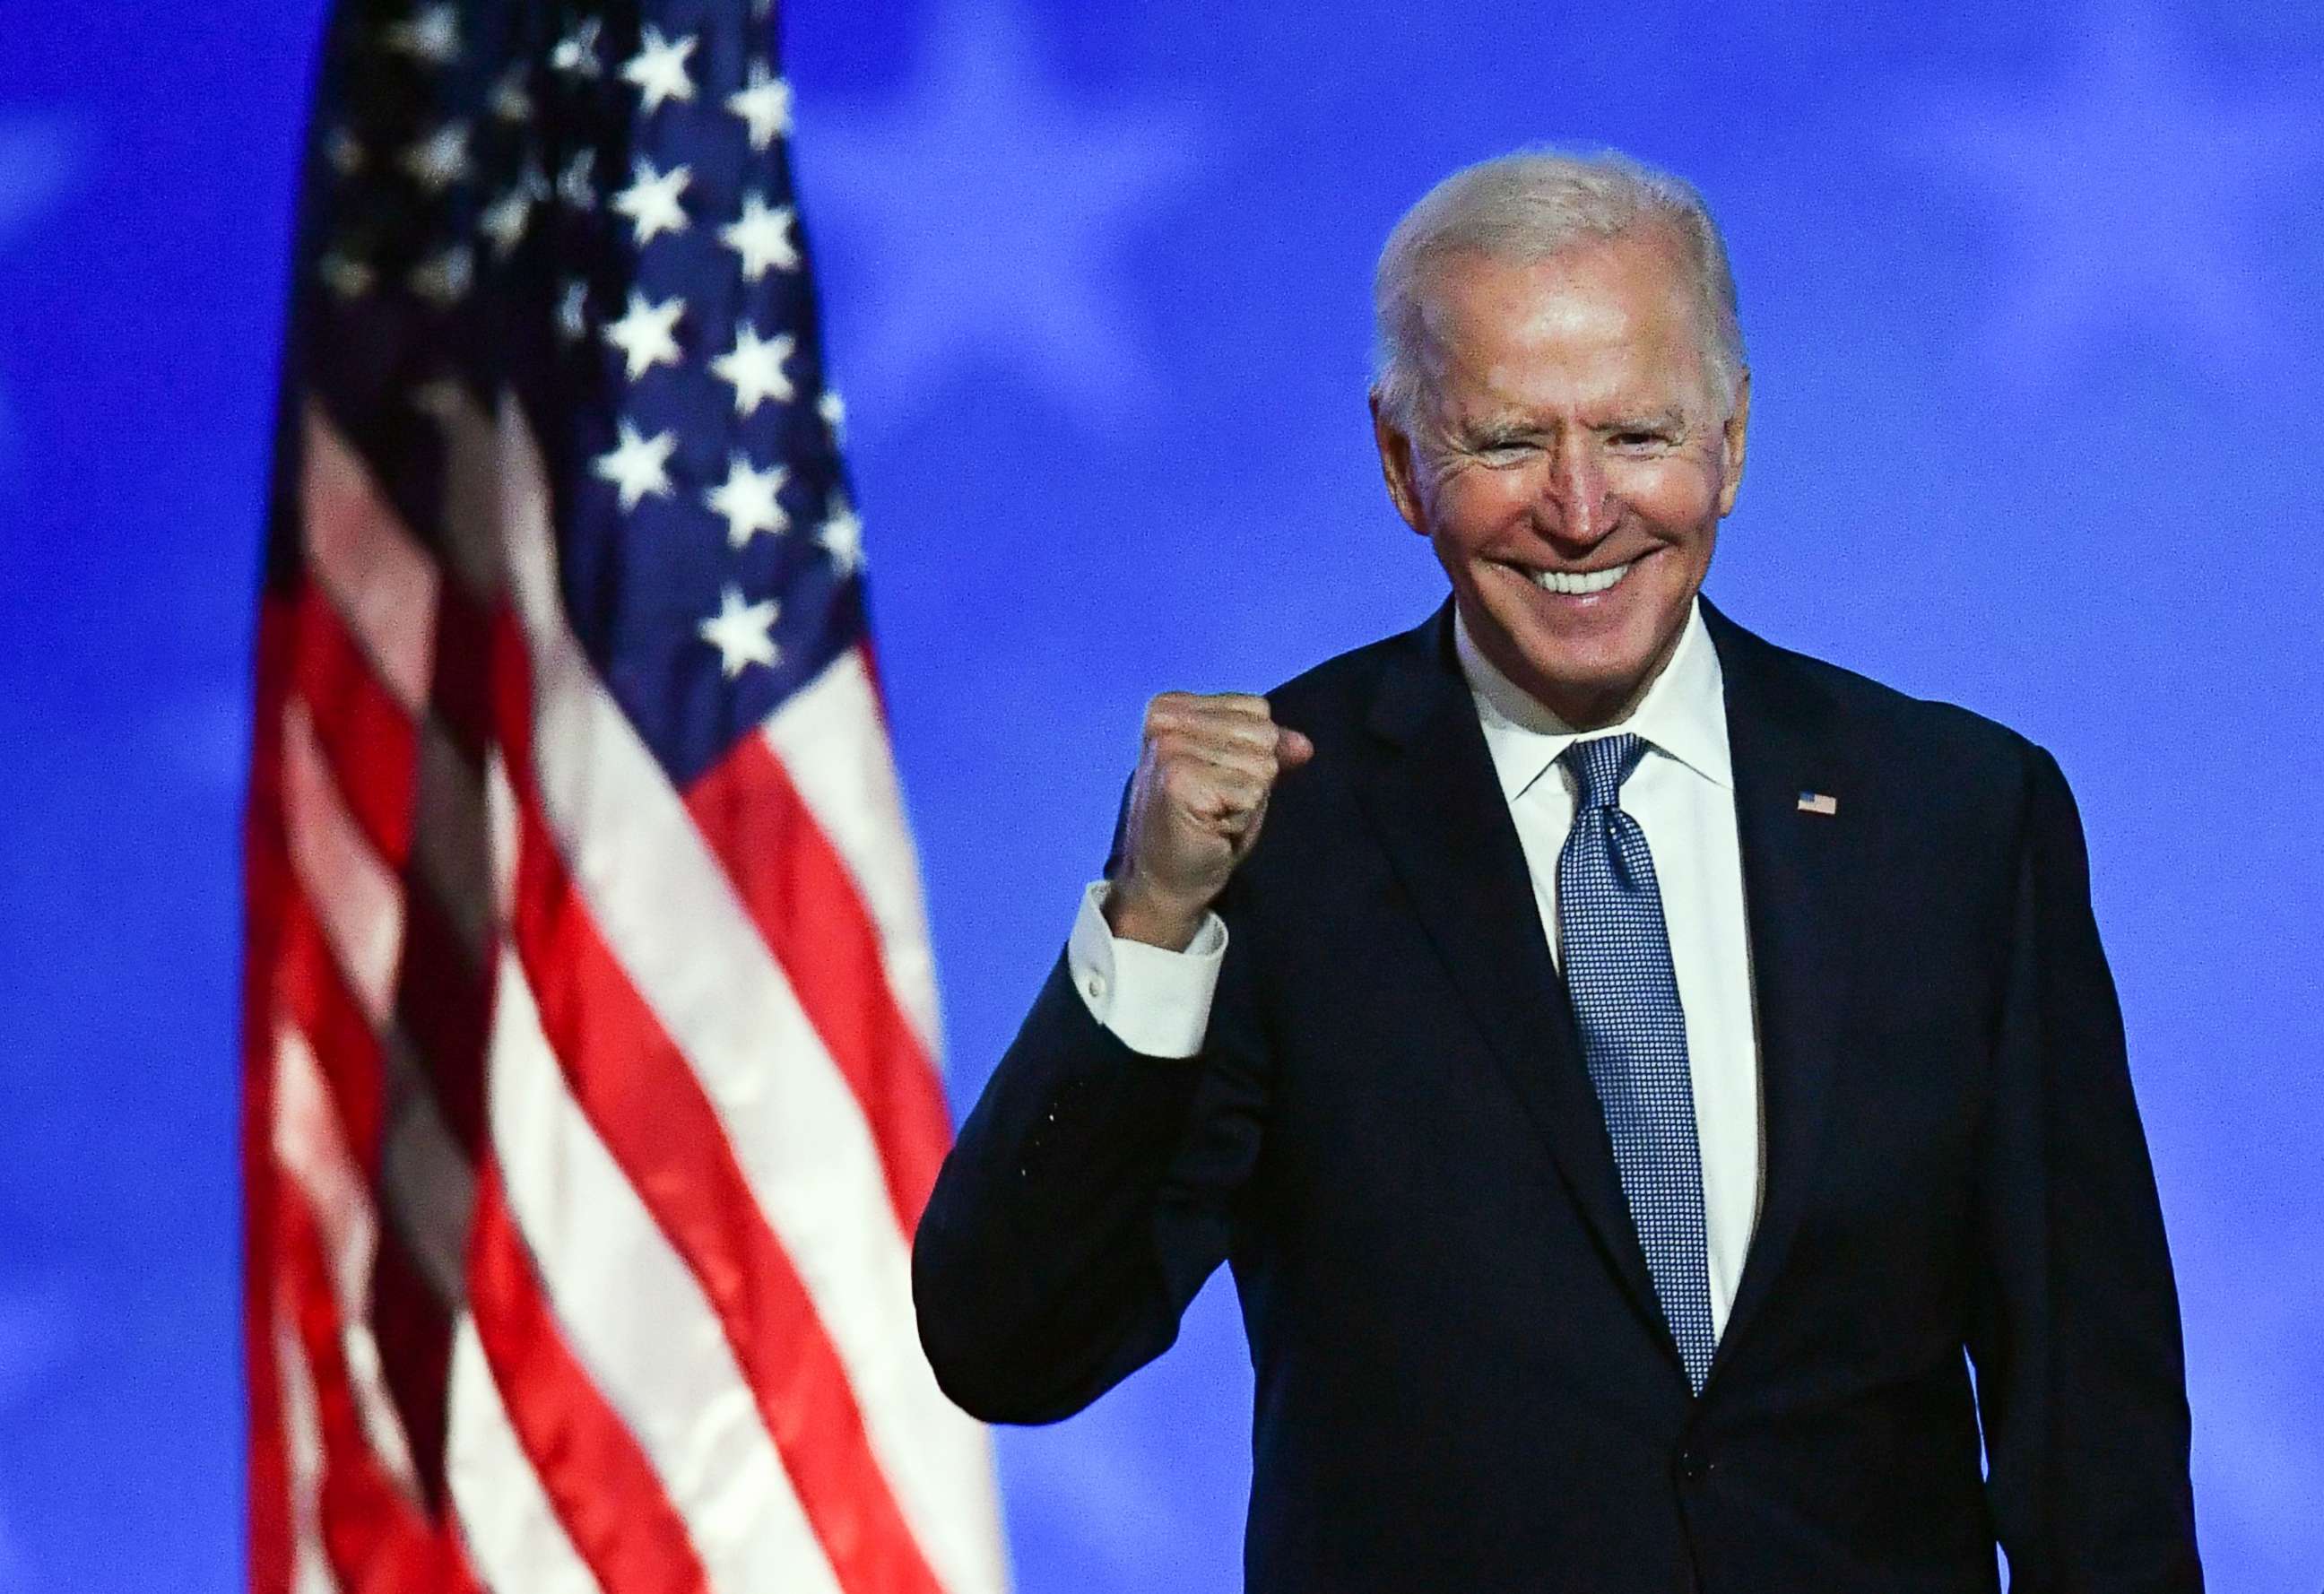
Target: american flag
[{"x": 591, "y": 1040}]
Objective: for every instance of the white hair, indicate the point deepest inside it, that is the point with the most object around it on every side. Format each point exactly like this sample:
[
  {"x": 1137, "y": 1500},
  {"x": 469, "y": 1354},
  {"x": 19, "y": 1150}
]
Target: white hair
[{"x": 1534, "y": 205}]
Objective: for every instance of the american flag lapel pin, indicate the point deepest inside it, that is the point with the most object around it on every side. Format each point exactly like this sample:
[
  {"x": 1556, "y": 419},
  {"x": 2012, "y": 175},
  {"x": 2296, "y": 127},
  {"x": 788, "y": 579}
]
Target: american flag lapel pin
[{"x": 1817, "y": 802}]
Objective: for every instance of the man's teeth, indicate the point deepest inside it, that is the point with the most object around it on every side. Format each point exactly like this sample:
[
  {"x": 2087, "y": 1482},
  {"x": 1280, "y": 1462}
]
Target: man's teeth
[{"x": 1571, "y": 582}]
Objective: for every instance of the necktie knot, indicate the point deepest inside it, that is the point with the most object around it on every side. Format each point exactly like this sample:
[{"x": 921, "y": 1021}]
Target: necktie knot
[{"x": 1600, "y": 765}]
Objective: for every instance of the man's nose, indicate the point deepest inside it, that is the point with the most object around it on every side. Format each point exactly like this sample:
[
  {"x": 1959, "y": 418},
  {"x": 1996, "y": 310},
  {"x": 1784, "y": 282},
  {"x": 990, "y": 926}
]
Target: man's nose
[{"x": 1579, "y": 510}]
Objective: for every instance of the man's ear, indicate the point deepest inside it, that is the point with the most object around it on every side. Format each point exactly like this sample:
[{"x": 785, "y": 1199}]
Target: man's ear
[
  {"x": 1396, "y": 466},
  {"x": 1731, "y": 444}
]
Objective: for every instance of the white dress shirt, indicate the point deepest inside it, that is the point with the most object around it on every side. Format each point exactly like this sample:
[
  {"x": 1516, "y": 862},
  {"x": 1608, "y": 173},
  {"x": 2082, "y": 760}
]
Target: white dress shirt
[{"x": 1683, "y": 796}]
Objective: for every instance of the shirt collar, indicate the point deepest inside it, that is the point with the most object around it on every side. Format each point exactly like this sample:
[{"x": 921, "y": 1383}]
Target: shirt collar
[{"x": 1684, "y": 714}]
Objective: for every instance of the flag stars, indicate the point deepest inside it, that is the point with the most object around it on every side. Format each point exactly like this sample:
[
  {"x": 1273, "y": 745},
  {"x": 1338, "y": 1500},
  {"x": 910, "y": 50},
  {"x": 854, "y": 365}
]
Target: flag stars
[
  {"x": 344, "y": 153},
  {"x": 504, "y": 220},
  {"x": 834, "y": 411},
  {"x": 645, "y": 334},
  {"x": 637, "y": 467},
  {"x": 754, "y": 369},
  {"x": 345, "y": 276},
  {"x": 510, "y": 101},
  {"x": 431, "y": 34},
  {"x": 739, "y": 630},
  {"x": 650, "y": 201},
  {"x": 747, "y": 498},
  {"x": 659, "y": 69},
  {"x": 573, "y": 311},
  {"x": 842, "y": 535},
  {"x": 764, "y": 104},
  {"x": 576, "y": 54},
  {"x": 762, "y": 238},
  {"x": 574, "y": 185},
  {"x": 438, "y": 161},
  {"x": 444, "y": 279}
]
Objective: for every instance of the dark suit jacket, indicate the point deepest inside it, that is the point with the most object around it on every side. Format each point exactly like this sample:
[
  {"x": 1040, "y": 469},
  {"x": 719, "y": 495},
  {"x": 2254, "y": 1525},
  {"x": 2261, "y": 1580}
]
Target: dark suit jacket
[{"x": 1464, "y": 1381}]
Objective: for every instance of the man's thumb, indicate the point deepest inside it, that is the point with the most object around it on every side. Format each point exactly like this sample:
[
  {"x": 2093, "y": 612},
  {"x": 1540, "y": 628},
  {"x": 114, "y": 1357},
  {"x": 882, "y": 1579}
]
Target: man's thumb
[{"x": 1293, "y": 750}]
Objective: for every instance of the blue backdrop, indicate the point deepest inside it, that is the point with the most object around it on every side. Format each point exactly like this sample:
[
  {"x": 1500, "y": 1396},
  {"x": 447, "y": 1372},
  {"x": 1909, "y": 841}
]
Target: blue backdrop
[{"x": 2031, "y": 293}]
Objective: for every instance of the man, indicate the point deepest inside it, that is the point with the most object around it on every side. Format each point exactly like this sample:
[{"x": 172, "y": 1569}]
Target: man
[{"x": 1634, "y": 1071}]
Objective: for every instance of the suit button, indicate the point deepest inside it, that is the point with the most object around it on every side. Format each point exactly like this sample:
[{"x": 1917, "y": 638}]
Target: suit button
[{"x": 1693, "y": 1465}]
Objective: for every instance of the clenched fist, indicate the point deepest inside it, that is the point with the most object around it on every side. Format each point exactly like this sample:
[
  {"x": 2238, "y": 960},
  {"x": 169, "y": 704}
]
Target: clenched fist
[{"x": 1205, "y": 767}]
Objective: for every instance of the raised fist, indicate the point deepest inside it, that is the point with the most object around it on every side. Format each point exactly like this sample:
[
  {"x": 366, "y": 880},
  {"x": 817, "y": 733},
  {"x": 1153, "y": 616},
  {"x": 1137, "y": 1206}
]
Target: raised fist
[{"x": 1205, "y": 767}]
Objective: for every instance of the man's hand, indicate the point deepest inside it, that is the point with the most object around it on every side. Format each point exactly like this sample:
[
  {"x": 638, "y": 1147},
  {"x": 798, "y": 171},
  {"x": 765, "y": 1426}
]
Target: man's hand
[{"x": 1204, "y": 769}]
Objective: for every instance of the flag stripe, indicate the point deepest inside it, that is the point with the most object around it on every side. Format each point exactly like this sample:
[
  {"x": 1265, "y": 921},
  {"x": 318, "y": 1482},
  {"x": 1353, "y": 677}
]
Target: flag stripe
[
  {"x": 510, "y": 1530},
  {"x": 803, "y": 899},
  {"x": 831, "y": 737},
  {"x": 302, "y": 1444},
  {"x": 677, "y": 1386},
  {"x": 363, "y": 733},
  {"x": 669, "y": 918},
  {"x": 308, "y": 1145},
  {"x": 376, "y": 576},
  {"x": 597, "y": 1481}
]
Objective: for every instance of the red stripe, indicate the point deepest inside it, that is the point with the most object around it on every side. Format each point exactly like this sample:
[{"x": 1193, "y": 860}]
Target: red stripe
[
  {"x": 639, "y": 1092},
  {"x": 805, "y": 902},
  {"x": 376, "y": 1538},
  {"x": 597, "y": 1480},
  {"x": 313, "y": 994},
  {"x": 365, "y": 734}
]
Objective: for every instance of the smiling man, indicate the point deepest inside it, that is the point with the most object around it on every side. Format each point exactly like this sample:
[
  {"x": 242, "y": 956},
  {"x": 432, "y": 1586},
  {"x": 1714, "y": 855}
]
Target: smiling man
[{"x": 1635, "y": 1072}]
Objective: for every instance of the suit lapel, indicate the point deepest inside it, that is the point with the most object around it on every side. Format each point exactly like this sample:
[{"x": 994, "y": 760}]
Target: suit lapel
[
  {"x": 1799, "y": 869},
  {"x": 1436, "y": 803}
]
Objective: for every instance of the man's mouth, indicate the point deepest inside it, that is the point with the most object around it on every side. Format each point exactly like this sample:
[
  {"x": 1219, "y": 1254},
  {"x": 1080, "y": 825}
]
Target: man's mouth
[{"x": 1580, "y": 583}]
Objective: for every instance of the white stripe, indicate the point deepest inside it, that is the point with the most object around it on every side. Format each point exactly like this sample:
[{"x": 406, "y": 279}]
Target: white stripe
[
  {"x": 356, "y": 897},
  {"x": 638, "y": 1322},
  {"x": 687, "y": 944},
  {"x": 382, "y": 582},
  {"x": 359, "y": 902},
  {"x": 302, "y": 1456},
  {"x": 311, "y": 1149},
  {"x": 833, "y": 740},
  {"x": 514, "y": 1539}
]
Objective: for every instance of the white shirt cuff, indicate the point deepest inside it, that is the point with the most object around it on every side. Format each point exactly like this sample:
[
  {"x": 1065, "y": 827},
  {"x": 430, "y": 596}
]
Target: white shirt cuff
[{"x": 1155, "y": 1001}]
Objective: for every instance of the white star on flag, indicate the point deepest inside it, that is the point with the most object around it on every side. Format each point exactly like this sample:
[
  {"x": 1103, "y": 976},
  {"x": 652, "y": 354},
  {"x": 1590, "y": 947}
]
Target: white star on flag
[
  {"x": 344, "y": 154},
  {"x": 576, "y": 54},
  {"x": 440, "y": 160},
  {"x": 347, "y": 278},
  {"x": 510, "y": 102},
  {"x": 747, "y": 498},
  {"x": 842, "y": 535},
  {"x": 573, "y": 184},
  {"x": 432, "y": 34},
  {"x": 645, "y": 334},
  {"x": 650, "y": 201},
  {"x": 762, "y": 238},
  {"x": 754, "y": 369},
  {"x": 739, "y": 632},
  {"x": 764, "y": 104},
  {"x": 659, "y": 69},
  {"x": 834, "y": 411},
  {"x": 573, "y": 311},
  {"x": 638, "y": 466},
  {"x": 445, "y": 277},
  {"x": 504, "y": 220}
]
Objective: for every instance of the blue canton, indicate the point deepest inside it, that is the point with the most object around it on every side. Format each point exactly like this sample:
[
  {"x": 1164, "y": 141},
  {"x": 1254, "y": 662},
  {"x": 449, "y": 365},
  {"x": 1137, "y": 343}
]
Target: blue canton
[
  {"x": 1617, "y": 972},
  {"x": 589, "y": 206}
]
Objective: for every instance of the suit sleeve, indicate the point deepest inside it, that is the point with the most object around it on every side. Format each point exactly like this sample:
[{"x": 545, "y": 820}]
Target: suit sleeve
[
  {"x": 2081, "y": 1377},
  {"x": 1089, "y": 1195}
]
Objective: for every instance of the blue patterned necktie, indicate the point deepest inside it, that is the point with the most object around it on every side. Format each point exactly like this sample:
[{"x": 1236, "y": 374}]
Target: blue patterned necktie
[{"x": 1617, "y": 972}]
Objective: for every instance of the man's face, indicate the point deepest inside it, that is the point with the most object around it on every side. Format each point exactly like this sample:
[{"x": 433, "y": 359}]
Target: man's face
[{"x": 1569, "y": 434}]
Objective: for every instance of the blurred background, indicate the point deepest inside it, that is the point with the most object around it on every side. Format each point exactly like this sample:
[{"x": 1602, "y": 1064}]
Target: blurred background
[{"x": 2032, "y": 299}]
